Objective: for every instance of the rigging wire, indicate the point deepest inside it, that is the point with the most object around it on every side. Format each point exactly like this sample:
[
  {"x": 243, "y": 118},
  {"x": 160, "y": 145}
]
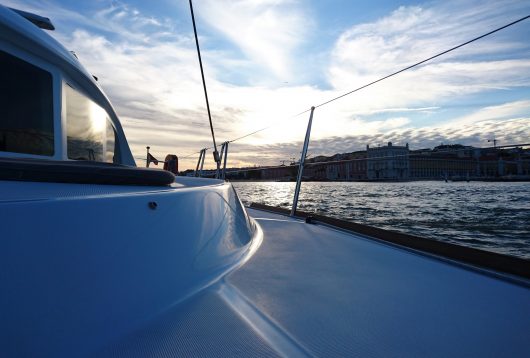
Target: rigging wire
[
  {"x": 262, "y": 129},
  {"x": 192, "y": 154},
  {"x": 246, "y": 135},
  {"x": 216, "y": 155}
]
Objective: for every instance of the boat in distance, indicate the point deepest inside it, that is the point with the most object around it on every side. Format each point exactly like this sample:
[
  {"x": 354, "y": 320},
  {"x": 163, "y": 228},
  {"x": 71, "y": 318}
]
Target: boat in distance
[{"x": 101, "y": 258}]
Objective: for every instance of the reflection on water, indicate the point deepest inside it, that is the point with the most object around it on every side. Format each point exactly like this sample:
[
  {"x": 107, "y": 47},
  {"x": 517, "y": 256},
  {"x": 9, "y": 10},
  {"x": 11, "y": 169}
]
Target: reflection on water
[{"x": 489, "y": 216}]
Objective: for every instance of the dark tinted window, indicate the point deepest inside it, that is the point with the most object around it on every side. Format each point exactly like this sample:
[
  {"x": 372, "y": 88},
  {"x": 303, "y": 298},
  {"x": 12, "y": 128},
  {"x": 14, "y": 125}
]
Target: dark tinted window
[
  {"x": 90, "y": 136},
  {"x": 26, "y": 107}
]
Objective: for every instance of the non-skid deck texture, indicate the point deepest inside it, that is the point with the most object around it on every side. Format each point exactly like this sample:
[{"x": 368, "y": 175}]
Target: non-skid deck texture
[
  {"x": 311, "y": 290},
  {"x": 204, "y": 326}
]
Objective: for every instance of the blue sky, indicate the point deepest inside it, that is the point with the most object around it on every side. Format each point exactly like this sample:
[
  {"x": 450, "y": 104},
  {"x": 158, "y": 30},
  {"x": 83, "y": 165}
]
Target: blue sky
[{"x": 266, "y": 60}]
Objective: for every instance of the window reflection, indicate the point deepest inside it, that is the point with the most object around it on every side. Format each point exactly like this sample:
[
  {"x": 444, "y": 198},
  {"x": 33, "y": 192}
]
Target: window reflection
[{"x": 90, "y": 135}]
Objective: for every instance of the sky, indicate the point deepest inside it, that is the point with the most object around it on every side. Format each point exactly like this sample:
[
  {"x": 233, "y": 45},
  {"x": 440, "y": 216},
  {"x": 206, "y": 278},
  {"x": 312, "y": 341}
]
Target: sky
[{"x": 265, "y": 61}]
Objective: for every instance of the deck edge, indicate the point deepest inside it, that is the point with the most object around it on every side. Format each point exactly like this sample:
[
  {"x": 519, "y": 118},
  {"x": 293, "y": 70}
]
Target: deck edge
[{"x": 478, "y": 258}]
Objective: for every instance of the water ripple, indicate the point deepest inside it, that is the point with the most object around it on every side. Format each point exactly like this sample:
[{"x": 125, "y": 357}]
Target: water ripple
[{"x": 489, "y": 216}]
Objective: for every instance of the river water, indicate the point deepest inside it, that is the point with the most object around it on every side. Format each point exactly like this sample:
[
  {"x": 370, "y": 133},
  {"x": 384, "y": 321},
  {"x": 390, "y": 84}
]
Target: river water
[{"x": 486, "y": 215}]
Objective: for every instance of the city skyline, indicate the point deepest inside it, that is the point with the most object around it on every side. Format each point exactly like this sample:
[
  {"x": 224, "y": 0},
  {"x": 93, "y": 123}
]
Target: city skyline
[
  {"x": 267, "y": 60},
  {"x": 397, "y": 163},
  {"x": 441, "y": 151}
]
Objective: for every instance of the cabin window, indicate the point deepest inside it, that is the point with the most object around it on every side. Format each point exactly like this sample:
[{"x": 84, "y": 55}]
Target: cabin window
[
  {"x": 90, "y": 134},
  {"x": 26, "y": 107}
]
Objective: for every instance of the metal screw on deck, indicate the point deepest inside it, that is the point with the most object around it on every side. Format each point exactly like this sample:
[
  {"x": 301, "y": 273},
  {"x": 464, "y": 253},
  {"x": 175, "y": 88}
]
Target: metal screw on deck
[{"x": 301, "y": 165}]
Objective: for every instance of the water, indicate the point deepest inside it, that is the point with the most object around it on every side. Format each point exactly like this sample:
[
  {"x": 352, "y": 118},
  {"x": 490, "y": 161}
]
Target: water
[{"x": 485, "y": 215}]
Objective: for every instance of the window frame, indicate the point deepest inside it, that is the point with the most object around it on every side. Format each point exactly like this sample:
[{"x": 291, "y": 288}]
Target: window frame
[
  {"x": 59, "y": 78},
  {"x": 55, "y": 74}
]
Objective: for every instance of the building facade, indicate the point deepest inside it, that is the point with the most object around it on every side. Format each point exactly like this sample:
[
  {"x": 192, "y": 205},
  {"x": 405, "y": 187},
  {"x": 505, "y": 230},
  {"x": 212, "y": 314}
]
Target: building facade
[{"x": 390, "y": 162}]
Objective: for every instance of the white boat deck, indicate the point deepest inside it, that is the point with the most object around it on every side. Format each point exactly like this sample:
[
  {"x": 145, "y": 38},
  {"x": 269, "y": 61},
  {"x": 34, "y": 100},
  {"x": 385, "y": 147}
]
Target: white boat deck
[{"x": 312, "y": 290}]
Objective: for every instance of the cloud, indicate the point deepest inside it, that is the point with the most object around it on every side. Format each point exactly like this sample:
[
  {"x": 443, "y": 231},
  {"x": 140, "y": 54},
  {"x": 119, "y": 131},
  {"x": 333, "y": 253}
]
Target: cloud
[
  {"x": 398, "y": 109},
  {"x": 512, "y": 131},
  {"x": 115, "y": 19},
  {"x": 267, "y": 32},
  {"x": 147, "y": 65},
  {"x": 494, "y": 113}
]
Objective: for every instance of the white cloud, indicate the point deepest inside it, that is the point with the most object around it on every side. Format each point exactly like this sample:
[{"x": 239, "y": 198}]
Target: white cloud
[
  {"x": 494, "y": 113},
  {"x": 266, "y": 31}
]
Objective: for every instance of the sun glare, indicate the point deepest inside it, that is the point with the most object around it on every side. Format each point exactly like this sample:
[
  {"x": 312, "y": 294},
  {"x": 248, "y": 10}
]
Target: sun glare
[{"x": 98, "y": 117}]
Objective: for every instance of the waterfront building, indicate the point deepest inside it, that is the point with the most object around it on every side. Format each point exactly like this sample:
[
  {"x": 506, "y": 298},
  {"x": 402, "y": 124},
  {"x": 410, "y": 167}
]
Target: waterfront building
[
  {"x": 316, "y": 172},
  {"x": 428, "y": 167},
  {"x": 453, "y": 161},
  {"x": 347, "y": 166},
  {"x": 507, "y": 162},
  {"x": 389, "y": 162},
  {"x": 347, "y": 170}
]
